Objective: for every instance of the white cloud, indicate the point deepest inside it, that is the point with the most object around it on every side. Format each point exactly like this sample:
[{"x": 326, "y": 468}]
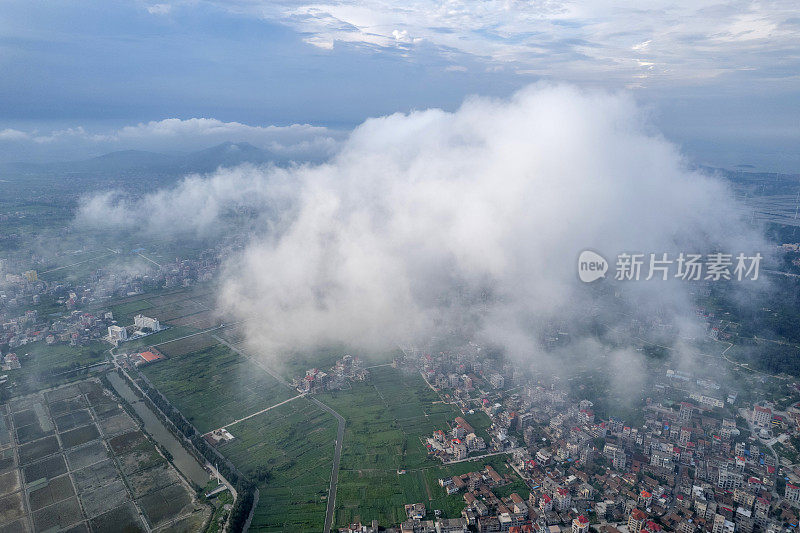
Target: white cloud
[
  {"x": 173, "y": 134},
  {"x": 432, "y": 220},
  {"x": 10, "y": 134},
  {"x": 159, "y": 9},
  {"x": 562, "y": 39}
]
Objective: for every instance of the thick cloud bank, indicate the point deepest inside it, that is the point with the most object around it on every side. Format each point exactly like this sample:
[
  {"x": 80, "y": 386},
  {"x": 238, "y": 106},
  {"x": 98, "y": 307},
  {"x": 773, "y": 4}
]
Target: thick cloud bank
[{"x": 432, "y": 222}]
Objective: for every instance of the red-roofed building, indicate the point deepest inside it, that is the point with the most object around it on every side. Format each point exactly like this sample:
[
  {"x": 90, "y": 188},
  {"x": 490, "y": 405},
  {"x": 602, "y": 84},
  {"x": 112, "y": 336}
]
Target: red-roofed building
[
  {"x": 636, "y": 520},
  {"x": 651, "y": 527},
  {"x": 580, "y": 525},
  {"x": 149, "y": 357},
  {"x": 792, "y": 493}
]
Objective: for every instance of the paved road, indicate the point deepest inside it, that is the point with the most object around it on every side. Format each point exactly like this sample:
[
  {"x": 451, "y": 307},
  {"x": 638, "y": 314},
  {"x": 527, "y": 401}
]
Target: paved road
[{"x": 337, "y": 456}]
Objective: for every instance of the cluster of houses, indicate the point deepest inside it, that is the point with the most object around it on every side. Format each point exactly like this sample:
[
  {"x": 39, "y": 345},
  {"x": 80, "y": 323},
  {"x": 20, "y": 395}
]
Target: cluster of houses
[
  {"x": 703, "y": 464},
  {"x": 457, "y": 444},
  {"x": 345, "y": 370},
  {"x": 75, "y": 328}
]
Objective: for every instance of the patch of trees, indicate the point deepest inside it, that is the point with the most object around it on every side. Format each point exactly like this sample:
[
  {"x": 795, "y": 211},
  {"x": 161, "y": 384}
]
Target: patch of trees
[{"x": 245, "y": 491}]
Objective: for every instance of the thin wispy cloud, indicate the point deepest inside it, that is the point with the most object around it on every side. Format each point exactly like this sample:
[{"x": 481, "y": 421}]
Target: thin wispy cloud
[
  {"x": 174, "y": 134},
  {"x": 686, "y": 42}
]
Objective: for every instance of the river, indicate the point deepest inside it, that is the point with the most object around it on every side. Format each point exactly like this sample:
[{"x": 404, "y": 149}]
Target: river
[{"x": 182, "y": 459}]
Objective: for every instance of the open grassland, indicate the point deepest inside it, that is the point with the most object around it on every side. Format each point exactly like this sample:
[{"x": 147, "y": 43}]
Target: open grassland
[
  {"x": 214, "y": 386},
  {"x": 289, "y": 450}
]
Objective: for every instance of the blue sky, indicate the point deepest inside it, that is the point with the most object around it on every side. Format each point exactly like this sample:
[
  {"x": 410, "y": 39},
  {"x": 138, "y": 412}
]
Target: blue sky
[{"x": 720, "y": 78}]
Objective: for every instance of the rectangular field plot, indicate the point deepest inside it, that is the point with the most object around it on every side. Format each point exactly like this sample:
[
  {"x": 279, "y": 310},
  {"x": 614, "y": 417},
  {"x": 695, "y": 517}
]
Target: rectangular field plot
[
  {"x": 102, "y": 499},
  {"x": 138, "y": 454},
  {"x": 67, "y": 406},
  {"x": 96, "y": 475},
  {"x": 48, "y": 468},
  {"x": 86, "y": 455},
  {"x": 11, "y": 508},
  {"x": 292, "y": 446},
  {"x": 33, "y": 451},
  {"x": 56, "y": 490},
  {"x": 73, "y": 419},
  {"x": 201, "y": 320},
  {"x": 215, "y": 385},
  {"x": 78, "y": 436},
  {"x": 123, "y": 518},
  {"x": 187, "y": 345},
  {"x": 117, "y": 424},
  {"x": 9, "y": 482},
  {"x": 165, "y": 504},
  {"x": 172, "y": 313},
  {"x": 71, "y": 481},
  {"x": 58, "y": 515},
  {"x": 7, "y": 460},
  {"x": 147, "y": 481}
]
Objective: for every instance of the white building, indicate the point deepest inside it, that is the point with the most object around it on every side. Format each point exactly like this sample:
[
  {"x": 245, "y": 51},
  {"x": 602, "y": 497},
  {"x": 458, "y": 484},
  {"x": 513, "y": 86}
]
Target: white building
[
  {"x": 142, "y": 322},
  {"x": 792, "y": 493},
  {"x": 497, "y": 381},
  {"x": 762, "y": 416},
  {"x": 117, "y": 334}
]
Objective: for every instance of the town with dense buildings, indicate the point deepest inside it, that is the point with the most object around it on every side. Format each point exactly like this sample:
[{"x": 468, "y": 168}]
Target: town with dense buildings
[
  {"x": 76, "y": 315},
  {"x": 707, "y": 463}
]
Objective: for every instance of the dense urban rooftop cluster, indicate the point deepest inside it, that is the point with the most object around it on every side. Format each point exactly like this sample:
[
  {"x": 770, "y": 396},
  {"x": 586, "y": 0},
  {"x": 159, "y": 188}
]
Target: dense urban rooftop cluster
[{"x": 703, "y": 464}]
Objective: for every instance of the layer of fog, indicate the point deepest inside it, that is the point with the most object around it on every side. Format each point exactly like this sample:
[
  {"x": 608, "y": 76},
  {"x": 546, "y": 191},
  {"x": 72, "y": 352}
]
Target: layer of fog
[{"x": 430, "y": 223}]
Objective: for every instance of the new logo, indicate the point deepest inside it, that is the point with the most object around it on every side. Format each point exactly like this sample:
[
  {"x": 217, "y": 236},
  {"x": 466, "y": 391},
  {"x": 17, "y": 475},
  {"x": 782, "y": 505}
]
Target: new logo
[{"x": 591, "y": 266}]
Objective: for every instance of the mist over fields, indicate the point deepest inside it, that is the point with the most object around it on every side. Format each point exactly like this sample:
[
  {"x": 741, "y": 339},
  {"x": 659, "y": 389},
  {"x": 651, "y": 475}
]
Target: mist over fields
[{"x": 430, "y": 223}]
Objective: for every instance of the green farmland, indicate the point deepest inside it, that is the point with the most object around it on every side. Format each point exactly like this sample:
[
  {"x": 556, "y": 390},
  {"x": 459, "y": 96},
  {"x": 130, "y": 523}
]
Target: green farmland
[
  {"x": 288, "y": 450},
  {"x": 386, "y": 415},
  {"x": 215, "y": 386},
  {"x": 291, "y": 447},
  {"x": 46, "y": 365}
]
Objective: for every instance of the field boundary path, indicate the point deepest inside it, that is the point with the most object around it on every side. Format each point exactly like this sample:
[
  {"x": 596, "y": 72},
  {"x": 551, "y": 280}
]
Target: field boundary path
[
  {"x": 254, "y": 414},
  {"x": 337, "y": 453}
]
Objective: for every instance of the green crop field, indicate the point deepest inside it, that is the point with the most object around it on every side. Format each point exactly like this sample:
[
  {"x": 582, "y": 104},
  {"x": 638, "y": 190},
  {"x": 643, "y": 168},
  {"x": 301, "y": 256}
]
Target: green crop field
[
  {"x": 46, "y": 365},
  {"x": 288, "y": 450},
  {"x": 291, "y": 448},
  {"x": 385, "y": 416},
  {"x": 215, "y": 386}
]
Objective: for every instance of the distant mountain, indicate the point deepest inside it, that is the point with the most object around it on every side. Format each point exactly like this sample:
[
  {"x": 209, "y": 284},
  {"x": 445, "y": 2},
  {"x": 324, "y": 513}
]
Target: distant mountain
[
  {"x": 127, "y": 162},
  {"x": 227, "y": 155}
]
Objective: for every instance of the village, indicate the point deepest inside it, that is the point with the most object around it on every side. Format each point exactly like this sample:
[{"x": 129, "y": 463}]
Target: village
[{"x": 703, "y": 464}]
